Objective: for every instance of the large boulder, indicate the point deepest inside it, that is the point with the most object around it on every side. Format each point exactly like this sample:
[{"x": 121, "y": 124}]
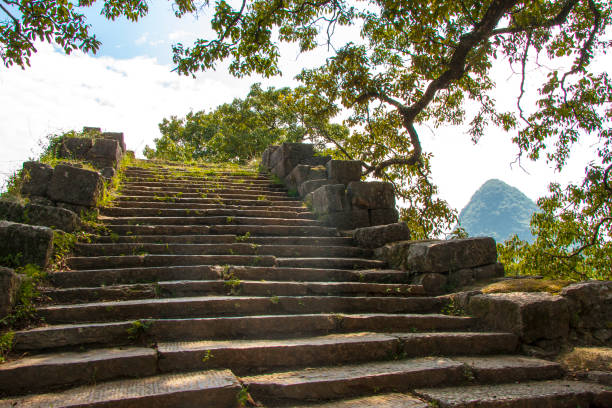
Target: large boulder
[
  {"x": 22, "y": 244},
  {"x": 344, "y": 171},
  {"x": 533, "y": 317},
  {"x": 75, "y": 147},
  {"x": 9, "y": 289},
  {"x": 105, "y": 153},
  {"x": 116, "y": 136},
  {"x": 36, "y": 178},
  {"x": 35, "y": 214},
  {"x": 287, "y": 156},
  {"x": 371, "y": 194},
  {"x": 590, "y": 304},
  {"x": 374, "y": 237},
  {"x": 439, "y": 256},
  {"x": 75, "y": 186},
  {"x": 330, "y": 198},
  {"x": 302, "y": 173}
]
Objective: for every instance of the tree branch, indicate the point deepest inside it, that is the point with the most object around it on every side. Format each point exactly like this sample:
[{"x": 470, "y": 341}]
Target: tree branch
[
  {"x": 591, "y": 243},
  {"x": 555, "y": 21}
]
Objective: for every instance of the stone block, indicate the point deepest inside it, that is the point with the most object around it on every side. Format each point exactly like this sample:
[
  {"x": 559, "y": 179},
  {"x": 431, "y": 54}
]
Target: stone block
[
  {"x": 302, "y": 173},
  {"x": 287, "y": 156},
  {"x": 130, "y": 154},
  {"x": 316, "y": 160},
  {"x": 75, "y": 147},
  {"x": 92, "y": 129},
  {"x": 118, "y": 137},
  {"x": 346, "y": 220},
  {"x": 80, "y": 210},
  {"x": 76, "y": 186},
  {"x": 531, "y": 316},
  {"x": 36, "y": 178},
  {"x": 22, "y": 244},
  {"x": 9, "y": 289},
  {"x": 309, "y": 186},
  {"x": 383, "y": 216},
  {"x": 371, "y": 194},
  {"x": 35, "y": 214},
  {"x": 108, "y": 172},
  {"x": 105, "y": 153},
  {"x": 377, "y": 236},
  {"x": 495, "y": 270},
  {"x": 433, "y": 283},
  {"x": 329, "y": 198},
  {"x": 267, "y": 155},
  {"x": 590, "y": 305},
  {"x": 440, "y": 256},
  {"x": 344, "y": 171}
]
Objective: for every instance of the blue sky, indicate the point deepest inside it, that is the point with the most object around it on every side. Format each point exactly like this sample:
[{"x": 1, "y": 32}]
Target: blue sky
[{"x": 128, "y": 86}]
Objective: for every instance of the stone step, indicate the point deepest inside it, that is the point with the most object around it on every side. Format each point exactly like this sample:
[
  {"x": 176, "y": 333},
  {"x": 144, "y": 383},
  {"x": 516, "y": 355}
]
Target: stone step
[
  {"x": 186, "y": 390},
  {"x": 248, "y": 356},
  {"x": 402, "y": 375},
  {"x": 249, "y": 205},
  {"x": 132, "y": 261},
  {"x": 225, "y": 212},
  {"x": 272, "y": 202},
  {"x": 557, "y": 394},
  {"x": 227, "y": 239},
  {"x": 147, "y": 179},
  {"x": 332, "y": 263},
  {"x": 47, "y": 371},
  {"x": 240, "y": 327},
  {"x": 105, "y": 277},
  {"x": 227, "y": 287},
  {"x": 212, "y": 220},
  {"x": 301, "y": 251},
  {"x": 170, "y": 193},
  {"x": 210, "y": 185},
  {"x": 161, "y": 174},
  {"x": 253, "y": 230},
  {"x": 218, "y": 306},
  {"x": 394, "y": 400}
]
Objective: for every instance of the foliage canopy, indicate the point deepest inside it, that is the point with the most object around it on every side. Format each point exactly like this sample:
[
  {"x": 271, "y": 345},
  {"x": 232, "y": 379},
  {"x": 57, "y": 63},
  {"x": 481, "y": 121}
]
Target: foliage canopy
[{"x": 414, "y": 63}]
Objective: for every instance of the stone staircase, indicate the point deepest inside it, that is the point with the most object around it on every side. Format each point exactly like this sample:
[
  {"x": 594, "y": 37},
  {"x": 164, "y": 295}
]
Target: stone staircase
[{"x": 213, "y": 288}]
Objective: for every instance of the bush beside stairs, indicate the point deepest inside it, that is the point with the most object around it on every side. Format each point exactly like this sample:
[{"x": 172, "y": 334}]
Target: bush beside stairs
[{"x": 219, "y": 290}]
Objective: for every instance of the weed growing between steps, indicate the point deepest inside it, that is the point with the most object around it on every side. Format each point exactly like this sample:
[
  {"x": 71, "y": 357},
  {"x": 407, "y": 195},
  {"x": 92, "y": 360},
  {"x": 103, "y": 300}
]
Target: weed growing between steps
[
  {"x": 453, "y": 309},
  {"x": 6, "y": 344},
  {"x": 138, "y": 331}
]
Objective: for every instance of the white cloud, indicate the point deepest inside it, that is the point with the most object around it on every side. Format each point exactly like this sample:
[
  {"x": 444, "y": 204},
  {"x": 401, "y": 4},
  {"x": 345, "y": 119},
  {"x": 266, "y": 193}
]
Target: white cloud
[{"x": 142, "y": 39}]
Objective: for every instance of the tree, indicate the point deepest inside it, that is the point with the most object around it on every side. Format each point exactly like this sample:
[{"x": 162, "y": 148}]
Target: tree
[
  {"x": 241, "y": 130},
  {"x": 424, "y": 62}
]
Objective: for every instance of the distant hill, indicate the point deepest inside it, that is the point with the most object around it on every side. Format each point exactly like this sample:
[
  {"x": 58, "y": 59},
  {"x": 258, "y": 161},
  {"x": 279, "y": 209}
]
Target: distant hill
[{"x": 499, "y": 211}]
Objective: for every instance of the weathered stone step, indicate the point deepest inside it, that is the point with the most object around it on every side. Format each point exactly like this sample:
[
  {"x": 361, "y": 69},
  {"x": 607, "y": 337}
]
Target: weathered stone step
[
  {"x": 226, "y": 212},
  {"x": 247, "y": 356},
  {"x": 209, "y": 306},
  {"x": 148, "y": 178},
  {"x": 557, "y": 394},
  {"x": 224, "y": 328},
  {"x": 186, "y": 390},
  {"x": 104, "y": 277},
  {"x": 402, "y": 375},
  {"x": 205, "y": 173},
  {"x": 260, "y": 204},
  {"x": 213, "y": 220},
  {"x": 169, "y": 193},
  {"x": 131, "y": 261},
  {"x": 210, "y": 185},
  {"x": 332, "y": 263},
  {"x": 47, "y": 371},
  {"x": 253, "y": 230},
  {"x": 272, "y": 202},
  {"x": 302, "y": 251},
  {"x": 394, "y": 400},
  {"x": 228, "y": 287},
  {"x": 227, "y": 239}
]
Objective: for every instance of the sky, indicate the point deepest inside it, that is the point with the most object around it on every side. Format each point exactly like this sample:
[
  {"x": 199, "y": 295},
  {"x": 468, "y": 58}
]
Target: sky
[{"x": 129, "y": 86}]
